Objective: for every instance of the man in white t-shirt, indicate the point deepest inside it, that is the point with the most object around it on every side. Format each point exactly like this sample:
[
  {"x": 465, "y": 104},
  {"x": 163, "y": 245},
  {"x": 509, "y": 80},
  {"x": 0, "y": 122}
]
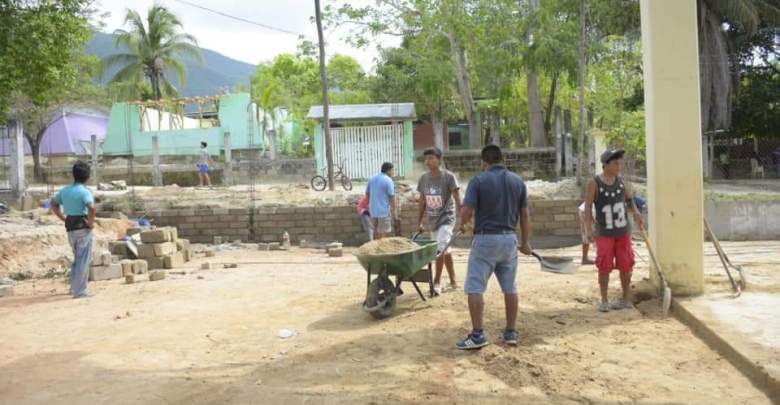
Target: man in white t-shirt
[{"x": 585, "y": 238}]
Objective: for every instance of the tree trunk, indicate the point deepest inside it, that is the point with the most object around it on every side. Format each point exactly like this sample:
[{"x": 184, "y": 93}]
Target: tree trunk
[
  {"x": 35, "y": 149},
  {"x": 717, "y": 87},
  {"x": 550, "y": 102},
  {"x": 535, "y": 114},
  {"x": 324, "y": 80},
  {"x": 581, "y": 62},
  {"x": 438, "y": 130},
  {"x": 460, "y": 61}
]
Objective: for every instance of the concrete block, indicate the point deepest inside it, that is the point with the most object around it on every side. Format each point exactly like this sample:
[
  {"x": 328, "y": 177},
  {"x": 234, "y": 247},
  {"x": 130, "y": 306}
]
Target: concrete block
[
  {"x": 274, "y": 246},
  {"x": 140, "y": 267},
  {"x": 134, "y": 231},
  {"x": 173, "y": 260},
  {"x": 164, "y": 249},
  {"x": 206, "y": 266},
  {"x": 130, "y": 279},
  {"x": 155, "y": 263},
  {"x": 210, "y": 253},
  {"x": 127, "y": 267},
  {"x": 230, "y": 265},
  {"x": 185, "y": 254},
  {"x": 335, "y": 252},
  {"x": 217, "y": 240},
  {"x": 160, "y": 235},
  {"x": 109, "y": 272},
  {"x": 116, "y": 259},
  {"x": 263, "y": 247},
  {"x": 156, "y": 275},
  {"x": 182, "y": 244},
  {"x": 174, "y": 234},
  {"x": 6, "y": 290},
  {"x": 118, "y": 247}
]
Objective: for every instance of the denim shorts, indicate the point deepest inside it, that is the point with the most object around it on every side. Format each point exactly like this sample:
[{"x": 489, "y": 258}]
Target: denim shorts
[
  {"x": 492, "y": 254},
  {"x": 203, "y": 168}
]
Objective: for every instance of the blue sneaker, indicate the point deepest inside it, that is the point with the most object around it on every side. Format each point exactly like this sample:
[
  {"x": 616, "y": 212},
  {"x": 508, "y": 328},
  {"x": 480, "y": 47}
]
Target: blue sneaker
[
  {"x": 472, "y": 342},
  {"x": 510, "y": 337}
]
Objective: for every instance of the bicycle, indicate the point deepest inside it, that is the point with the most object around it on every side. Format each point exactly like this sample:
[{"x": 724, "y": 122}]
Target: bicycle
[{"x": 319, "y": 183}]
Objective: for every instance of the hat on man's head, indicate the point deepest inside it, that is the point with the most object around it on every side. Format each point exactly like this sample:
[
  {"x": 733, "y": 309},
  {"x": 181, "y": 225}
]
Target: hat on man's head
[{"x": 610, "y": 155}]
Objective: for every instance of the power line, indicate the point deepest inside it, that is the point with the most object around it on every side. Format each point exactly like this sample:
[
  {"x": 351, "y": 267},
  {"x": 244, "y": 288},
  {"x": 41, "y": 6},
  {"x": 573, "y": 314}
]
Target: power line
[{"x": 266, "y": 26}]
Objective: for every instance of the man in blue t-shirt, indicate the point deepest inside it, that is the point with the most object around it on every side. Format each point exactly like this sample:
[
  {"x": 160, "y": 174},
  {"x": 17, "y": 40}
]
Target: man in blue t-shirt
[
  {"x": 381, "y": 201},
  {"x": 79, "y": 218},
  {"x": 496, "y": 199}
]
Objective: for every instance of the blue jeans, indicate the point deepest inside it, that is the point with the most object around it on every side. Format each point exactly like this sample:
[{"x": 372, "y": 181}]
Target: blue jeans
[
  {"x": 492, "y": 254},
  {"x": 368, "y": 226},
  {"x": 81, "y": 242}
]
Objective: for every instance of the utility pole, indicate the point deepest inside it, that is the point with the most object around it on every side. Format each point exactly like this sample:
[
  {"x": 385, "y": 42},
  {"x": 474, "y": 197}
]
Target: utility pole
[{"x": 324, "y": 79}]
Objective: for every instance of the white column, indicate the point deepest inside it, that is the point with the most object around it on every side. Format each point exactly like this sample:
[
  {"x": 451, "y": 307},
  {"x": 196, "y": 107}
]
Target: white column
[
  {"x": 156, "y": 171},
  {"x": 93, "y": 146},
  {"x": 227, "y": 172},
  {"x": 16, "y": 158},
  {"x": 673, "y": 121}
]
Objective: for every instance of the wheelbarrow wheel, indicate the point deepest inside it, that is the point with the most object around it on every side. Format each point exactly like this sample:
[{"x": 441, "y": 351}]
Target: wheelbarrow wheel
[{"x": 381, "y": 297}]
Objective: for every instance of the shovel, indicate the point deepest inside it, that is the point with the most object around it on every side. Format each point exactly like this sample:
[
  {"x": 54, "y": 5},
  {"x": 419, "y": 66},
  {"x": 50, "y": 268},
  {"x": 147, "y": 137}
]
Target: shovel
[
  {"x": 726, "y": 262},
  {"x": 558, "y": 265},
  {"x": 665, "y": 292}
]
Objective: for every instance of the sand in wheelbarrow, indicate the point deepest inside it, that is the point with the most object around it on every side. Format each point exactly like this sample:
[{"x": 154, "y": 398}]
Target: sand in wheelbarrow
[{"x": 387, "y": 246}]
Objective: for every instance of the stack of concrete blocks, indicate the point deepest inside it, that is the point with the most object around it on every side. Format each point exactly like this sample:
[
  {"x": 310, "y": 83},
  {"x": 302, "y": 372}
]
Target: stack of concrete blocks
[
  {"x": 162, "y": 248},
  {"x": 103, "y": 266}
]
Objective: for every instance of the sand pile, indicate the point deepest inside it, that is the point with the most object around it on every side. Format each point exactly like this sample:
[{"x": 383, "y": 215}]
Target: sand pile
[{"x": 387, "y": 246}]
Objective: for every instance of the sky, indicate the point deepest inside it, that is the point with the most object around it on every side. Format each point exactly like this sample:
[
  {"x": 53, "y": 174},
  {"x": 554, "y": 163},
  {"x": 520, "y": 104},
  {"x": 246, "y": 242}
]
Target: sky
[{"x": 242, "y": 41}]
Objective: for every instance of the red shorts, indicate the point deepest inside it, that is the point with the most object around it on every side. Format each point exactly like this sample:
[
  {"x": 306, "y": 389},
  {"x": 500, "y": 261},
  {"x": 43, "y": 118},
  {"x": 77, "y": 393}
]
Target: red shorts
[{"x": 614, "y": 253}]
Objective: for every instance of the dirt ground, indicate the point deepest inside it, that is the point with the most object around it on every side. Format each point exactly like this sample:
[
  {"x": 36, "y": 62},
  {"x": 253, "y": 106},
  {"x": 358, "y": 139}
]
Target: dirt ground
[{"x": 212, "y": 337}]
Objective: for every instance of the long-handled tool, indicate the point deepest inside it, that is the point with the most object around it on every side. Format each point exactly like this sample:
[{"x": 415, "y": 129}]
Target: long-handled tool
[
  {"x": 726, "y": 262},
  {"x": 558, "y": 265},
  {"x": 665, "y": 292}
]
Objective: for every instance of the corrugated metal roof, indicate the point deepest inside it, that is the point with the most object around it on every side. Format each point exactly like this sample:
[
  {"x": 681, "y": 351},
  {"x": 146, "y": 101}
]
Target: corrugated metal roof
[{"x": 366, "y": 112}]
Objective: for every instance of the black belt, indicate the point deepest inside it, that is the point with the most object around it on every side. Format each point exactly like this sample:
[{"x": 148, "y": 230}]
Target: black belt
[
  {"x": 504, "y": 232},
  {"x": 76, "y": 222}
]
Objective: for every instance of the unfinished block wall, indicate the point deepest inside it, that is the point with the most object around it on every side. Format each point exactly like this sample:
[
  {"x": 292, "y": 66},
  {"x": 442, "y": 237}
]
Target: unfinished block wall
[{"x": 267, "y": 224}]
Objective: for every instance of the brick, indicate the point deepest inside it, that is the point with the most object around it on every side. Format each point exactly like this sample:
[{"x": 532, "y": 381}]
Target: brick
[
  {"x": 172, "y": 261},
  {"x": 237, "y": 225},
  {"x": 164, "y": 249},
  {"x": 127, "y": 267},
  {"x": 239, "y": 211},
  {"x": 140, "y": 267},
  {"x": 174, "y": 233},
  {"x": 186, "y": 213},
  {"x": 99, "y": 273},
  {"x": 155, "y": 236},
  {"x": 169, "y": 213},
  {"x": 155, "y": 263},
  {"x": 118, "y": 247},
  {"x": 156, "y": 275},
  {"x": 563, "y": 217},
  {"x": 186, "y": 225},
  {"x": 182, "y": 244},
  {"x": 6, "y": 291}
]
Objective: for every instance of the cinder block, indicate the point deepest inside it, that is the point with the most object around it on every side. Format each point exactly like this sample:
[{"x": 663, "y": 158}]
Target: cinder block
[
  {"x": 100, "y": 273},
  {"x": 164, "y": 249},
  {"x": 206, "y": 266},
  {"x": 173, "y": 260},
  {"x": 129, "y": 279},
  {"x": 118, "y": 247},
  {"x": 156, "y": 275},
  {"x": 155, "y": 263},
  {"x": 174, "y": 234},
  {"x": 263, "y": 247},
  {"x": 335, "y": 252},
  {"x": 127, "y": 267},
  {"x": 182, "y": 244},
  {"x": 6, "y": 290},
  {"x": 210, "y": 253},
  {"x": 274, "y": 246},
  {"x": 160, "y": 235},
  {"x": 134, "y": 231},
  {"x": 140, "y": 267}
]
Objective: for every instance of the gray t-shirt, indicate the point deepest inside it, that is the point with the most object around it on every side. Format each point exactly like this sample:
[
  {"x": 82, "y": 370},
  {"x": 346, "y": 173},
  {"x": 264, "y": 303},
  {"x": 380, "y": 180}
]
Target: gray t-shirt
[
  {"x": 439, "y": 204},
  {"x": 204, "y": 156}
]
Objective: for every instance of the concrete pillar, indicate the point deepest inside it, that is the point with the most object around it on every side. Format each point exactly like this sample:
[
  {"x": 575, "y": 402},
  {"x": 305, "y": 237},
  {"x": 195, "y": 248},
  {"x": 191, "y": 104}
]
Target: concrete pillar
[
  {"x": 156, "y": 171},
  {"x": 558, "y": 142},
  {"x": 93, "y": 147},
  {"x": 673, "y": 120},
  {"x": 227, "y": 173},
  {"x": 16, "y": 159}
]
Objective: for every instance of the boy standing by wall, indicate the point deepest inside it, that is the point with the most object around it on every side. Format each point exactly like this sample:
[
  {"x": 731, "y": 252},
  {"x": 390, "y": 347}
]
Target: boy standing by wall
[
  {"x": 439, "y": 202},
  {"x": 79, "y": 218},
  {"x": 203, "y": 165},
  {"x": 612, "y": 198}
]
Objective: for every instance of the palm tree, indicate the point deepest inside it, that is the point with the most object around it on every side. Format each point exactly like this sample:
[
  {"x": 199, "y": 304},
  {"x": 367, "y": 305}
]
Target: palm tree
[
  {"x": 151, "y": 49},
  {"x": 718, "y": 70}
]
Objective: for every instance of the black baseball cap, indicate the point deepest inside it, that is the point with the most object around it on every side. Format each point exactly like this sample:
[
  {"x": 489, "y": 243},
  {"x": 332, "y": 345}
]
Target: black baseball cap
[{"x": 610, "y": 155}]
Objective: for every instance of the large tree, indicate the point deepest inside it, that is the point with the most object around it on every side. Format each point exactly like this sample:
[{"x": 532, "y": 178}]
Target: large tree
[
  {"x": 717, "y": 55},
  {"x": 151, "y": 48}
]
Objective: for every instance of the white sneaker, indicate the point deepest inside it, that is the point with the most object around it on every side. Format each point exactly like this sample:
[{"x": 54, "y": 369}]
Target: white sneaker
[{"x": 436, "y": 289}]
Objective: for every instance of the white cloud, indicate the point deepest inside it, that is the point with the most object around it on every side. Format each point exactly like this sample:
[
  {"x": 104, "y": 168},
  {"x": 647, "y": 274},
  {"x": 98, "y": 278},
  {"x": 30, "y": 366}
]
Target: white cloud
[{"x": 246, "y": 42}]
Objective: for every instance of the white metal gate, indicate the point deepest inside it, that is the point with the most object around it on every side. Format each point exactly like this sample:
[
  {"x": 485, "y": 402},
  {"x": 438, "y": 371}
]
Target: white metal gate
[{"x": 362, "y": 150}]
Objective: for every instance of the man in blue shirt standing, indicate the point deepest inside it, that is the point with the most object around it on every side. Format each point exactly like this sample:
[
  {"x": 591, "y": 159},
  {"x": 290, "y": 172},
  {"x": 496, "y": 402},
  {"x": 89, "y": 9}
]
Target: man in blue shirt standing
[
  {"x": 381, "y": 201},
  {"x": 79, "y": 218},
  {"x": 496, "y": 199}
]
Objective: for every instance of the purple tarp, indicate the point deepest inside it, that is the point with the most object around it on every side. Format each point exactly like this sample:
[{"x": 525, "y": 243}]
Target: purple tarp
[{"x": 68, "y": 135}]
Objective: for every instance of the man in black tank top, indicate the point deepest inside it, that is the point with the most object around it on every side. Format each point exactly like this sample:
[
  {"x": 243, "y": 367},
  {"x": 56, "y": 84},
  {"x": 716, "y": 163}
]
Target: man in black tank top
[{"x": 612, "y": 198}]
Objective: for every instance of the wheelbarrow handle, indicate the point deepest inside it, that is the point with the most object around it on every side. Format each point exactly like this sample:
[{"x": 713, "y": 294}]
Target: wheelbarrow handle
[{"x": 452, "y": 239}]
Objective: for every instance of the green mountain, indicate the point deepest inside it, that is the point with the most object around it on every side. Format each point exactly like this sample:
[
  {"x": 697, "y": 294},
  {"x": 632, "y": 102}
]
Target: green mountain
[{"x": 217, "y": 73}]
